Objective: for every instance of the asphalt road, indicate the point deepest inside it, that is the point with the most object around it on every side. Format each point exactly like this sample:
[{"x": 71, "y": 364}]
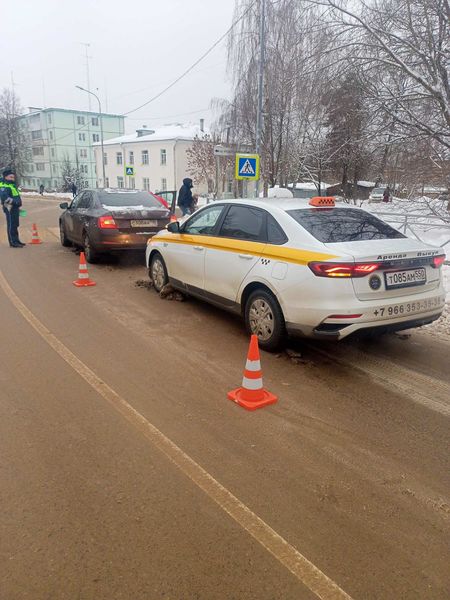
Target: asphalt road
[{"x": 125, "y": 473}]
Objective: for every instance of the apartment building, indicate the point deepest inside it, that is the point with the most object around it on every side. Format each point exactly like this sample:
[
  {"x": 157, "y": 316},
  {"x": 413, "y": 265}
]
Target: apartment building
[
  {"x": 157, "y": 157},
  {"x": 56, "y": 135}
]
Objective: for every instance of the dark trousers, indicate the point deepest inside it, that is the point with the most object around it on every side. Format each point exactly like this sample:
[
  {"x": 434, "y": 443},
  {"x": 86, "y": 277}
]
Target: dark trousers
[{"x": 12, "y": 224}]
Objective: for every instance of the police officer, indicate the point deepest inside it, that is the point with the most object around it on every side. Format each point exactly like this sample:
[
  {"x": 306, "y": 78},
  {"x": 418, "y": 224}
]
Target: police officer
[{"x": 11, "y": 203}]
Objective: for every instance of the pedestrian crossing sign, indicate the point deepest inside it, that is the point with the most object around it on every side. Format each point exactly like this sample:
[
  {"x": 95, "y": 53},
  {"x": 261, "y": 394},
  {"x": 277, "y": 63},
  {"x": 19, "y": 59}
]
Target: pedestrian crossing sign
[
  {"x": 247, "y": 166},
  {"x": 129, "y": 171}
]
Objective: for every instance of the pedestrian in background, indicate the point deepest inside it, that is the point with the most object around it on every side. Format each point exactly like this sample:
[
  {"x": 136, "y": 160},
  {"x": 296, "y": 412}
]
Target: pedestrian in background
[
  {"x": 185, "y": 198},
  {"x": 41, "y": 189},
  {"x": 387, "y": 195},
  {"x": 11, "y": 203},
  {"x": 73, "y": 189}
]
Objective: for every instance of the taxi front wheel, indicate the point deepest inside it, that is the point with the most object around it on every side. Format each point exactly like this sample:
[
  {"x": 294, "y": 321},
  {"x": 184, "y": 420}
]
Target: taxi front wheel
[{"x": 264, "y": 318}]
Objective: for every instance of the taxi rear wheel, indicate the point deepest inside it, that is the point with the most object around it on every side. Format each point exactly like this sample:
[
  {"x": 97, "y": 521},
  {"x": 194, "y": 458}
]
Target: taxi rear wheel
[
  {"x": 264, "y": 318},
  {"x": 158, "y": 272}
]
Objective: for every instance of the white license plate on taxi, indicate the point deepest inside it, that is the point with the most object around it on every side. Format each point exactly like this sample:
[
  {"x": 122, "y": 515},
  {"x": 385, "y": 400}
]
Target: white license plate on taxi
[
  {"x": 144, "y": 223},
  {"x": 409, "y": 277}
]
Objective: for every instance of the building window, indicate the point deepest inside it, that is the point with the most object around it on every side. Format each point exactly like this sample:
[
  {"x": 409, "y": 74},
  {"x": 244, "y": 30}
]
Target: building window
[
  {"x": 49, "y": 118},
  {"x": 37, "y": 134},
  {"x": 82, "y": 137},
  {"x": 86, "y": 183},
  {"x": 95, "y": 137},
  {"x": 120, "y": 182},
  {"x": 146, "y": 183},
  {"x": 84, "y": 169},
  {"x": 94, "y": 121},
  {"x": 163, "y": 184},
  {"x": 131, "y": 158},
  {"x": 163, "y": 157},
  {"x": 52, "y": 150},
  {"x": 105, "y": 159},
  {"x": 145, "y": 157},
  {"x": 54, "y": 168},
  {"x": 132, "y": 183},
  {"x": 107, "y": 182},
  {"x": 119, "y": 158},
  {"x": 38, "y": 151},
  {"x": 83, "y": 153},
  {"x": 55, "y": 183},
  {"x": 80, "y": 120},
  {"x": 50, "y": 134},
  {"x": 40, "y": 166}
]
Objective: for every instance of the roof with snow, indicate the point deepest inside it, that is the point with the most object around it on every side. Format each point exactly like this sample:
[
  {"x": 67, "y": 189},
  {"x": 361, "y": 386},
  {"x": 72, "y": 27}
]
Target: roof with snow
[
  {"x": 175, "y": 131},
  {"x": 368, "y": 184},
  {"x": 309, "y": 185}
]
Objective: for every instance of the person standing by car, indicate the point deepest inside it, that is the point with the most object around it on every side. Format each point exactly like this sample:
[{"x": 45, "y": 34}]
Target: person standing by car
[
  {"x": 11, "y": 203},
  {"x": 185, "y": 198},
  {"x": 387, "y": 195}
]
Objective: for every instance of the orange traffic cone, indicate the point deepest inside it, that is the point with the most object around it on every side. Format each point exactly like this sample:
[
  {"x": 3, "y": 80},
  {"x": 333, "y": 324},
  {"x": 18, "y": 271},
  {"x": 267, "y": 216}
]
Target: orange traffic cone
[
  {"x": 83, "y": 276},
  {"x": 252, "y": 395},
  {"x": 35, "y": 239}
]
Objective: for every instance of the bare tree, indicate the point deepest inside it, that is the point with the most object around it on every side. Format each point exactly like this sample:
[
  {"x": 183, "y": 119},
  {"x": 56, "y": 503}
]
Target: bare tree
[
  {"x": 70, "y": 173},
  {"x": 12, "y": 138},
  {"x": 202, "y": 163},
  {"x": 404, "y": 50}
]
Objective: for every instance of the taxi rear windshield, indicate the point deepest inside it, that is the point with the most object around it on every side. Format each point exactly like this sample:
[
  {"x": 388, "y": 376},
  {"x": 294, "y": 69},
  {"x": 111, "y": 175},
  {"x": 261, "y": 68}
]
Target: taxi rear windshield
[
  {"x": 343, "y": 225},
  {"x": 123, "y": 199}
]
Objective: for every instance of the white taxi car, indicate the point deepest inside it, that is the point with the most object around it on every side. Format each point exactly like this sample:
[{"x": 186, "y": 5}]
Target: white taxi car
[{"x": 304, "y": 267}]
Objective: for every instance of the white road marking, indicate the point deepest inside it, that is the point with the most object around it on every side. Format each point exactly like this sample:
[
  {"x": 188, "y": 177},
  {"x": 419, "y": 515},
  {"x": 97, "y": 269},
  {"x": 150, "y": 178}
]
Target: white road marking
[{"x": 304, "y": 570}]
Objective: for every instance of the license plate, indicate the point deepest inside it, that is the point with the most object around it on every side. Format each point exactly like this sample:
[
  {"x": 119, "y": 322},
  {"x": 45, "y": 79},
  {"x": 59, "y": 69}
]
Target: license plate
[
  {"x": 144, "y": 223},
  {"x": 409, "y": 308},
  {"x": 410, "y": 277}
]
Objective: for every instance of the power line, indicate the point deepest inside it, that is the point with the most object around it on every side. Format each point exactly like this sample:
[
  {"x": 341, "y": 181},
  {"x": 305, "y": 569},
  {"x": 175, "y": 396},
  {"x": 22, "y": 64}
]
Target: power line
[{"x": 195, "y": 63}]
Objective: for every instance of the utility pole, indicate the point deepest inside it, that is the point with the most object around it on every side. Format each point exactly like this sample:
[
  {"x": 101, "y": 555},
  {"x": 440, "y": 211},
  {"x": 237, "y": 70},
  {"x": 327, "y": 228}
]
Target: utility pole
[
  {"x": 259, "y": 115},
  {"x": 86, "y": 48},
  {"x": 101, "y": 129}
]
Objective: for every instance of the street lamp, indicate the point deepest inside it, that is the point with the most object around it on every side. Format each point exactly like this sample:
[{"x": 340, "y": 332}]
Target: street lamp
[{"x": 101, "y": 127}]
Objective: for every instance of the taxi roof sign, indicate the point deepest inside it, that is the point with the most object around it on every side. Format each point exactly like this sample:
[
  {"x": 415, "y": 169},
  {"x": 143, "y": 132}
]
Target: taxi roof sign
[{"x": 325, "y": 201}]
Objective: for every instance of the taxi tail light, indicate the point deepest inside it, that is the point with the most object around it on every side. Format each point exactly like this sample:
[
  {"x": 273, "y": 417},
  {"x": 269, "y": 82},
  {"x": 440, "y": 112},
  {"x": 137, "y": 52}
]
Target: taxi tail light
[
  {"x": 106, "y": 222},
  {"x": 329, "y": 269},
  {"x": 438, "y": 261}
]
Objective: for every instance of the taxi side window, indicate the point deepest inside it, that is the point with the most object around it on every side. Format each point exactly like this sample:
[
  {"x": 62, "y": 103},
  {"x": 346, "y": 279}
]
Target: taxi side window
[
  {"x": 204, "y": 222},
  {"x": 244, "y": 223},
  {"x": 275, "y": 235}
]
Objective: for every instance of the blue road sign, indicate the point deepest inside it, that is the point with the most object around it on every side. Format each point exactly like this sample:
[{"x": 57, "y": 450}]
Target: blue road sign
[{"x": 247, "y": 166}]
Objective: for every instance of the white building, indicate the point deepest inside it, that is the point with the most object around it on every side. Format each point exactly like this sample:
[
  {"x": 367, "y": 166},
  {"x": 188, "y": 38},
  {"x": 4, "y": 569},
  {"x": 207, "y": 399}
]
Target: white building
[{"x": 158, "y": 158}]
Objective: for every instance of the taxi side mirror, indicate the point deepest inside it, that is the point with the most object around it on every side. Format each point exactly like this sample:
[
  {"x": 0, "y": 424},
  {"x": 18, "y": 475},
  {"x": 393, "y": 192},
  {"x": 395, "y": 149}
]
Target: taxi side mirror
[
  {"x": 64, "y": 205},
  {"x": 173, "y": 227}
]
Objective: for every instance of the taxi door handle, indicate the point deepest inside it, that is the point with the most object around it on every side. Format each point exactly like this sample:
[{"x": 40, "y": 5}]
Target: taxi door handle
[
  {"x": 199, "y": 248},
  {"x": 246, "y": 256}
]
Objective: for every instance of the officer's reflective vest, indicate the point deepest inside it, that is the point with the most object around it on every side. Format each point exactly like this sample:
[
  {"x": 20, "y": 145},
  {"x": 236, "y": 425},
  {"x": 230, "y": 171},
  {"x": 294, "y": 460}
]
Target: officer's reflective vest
[{"x": 11, "y": 186}]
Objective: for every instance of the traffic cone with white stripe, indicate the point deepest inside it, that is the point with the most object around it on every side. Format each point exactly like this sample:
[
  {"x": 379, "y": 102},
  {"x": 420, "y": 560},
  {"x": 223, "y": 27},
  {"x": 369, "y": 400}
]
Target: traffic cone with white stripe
[
  {"x": 252, "y": 394},
  {"x": 35, "y": 239},
  {"x": 83, "y": 276}
]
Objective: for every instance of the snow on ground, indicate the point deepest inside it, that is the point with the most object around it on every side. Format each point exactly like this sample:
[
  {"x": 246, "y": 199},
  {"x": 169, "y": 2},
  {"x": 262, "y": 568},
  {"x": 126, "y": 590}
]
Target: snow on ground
[{"x": 64, "y": 195}]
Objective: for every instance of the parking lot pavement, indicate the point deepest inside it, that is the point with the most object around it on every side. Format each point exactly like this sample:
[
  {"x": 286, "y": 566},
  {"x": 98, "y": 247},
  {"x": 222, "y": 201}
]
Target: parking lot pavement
[{"x": 352, "y": 474}]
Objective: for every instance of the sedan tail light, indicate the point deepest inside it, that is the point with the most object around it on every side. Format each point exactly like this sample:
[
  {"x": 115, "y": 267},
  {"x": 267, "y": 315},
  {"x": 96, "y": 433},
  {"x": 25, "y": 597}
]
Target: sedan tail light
[
  {"x": 329, "y": 269},
  {"x": 106, "y": 222},
  {"x": 438, "y": 261}
]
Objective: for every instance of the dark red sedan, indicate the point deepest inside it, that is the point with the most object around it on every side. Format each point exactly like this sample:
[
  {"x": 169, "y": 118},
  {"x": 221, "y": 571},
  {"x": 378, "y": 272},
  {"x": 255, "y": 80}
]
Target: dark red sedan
[{"x": 109, "y": 220}]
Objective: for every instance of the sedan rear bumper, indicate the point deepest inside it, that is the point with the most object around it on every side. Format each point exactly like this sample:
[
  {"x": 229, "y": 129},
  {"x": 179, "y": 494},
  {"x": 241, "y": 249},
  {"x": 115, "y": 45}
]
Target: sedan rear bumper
[{"x": 108, "y": 241}]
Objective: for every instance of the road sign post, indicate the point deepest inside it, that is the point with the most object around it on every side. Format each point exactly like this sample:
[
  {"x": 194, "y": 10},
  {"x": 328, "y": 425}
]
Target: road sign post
[{"x": 247, "y": 167}]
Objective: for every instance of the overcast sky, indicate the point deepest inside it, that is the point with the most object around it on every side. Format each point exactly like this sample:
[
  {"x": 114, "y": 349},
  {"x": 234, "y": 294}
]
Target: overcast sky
[{"x": 137, "y": 48}]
